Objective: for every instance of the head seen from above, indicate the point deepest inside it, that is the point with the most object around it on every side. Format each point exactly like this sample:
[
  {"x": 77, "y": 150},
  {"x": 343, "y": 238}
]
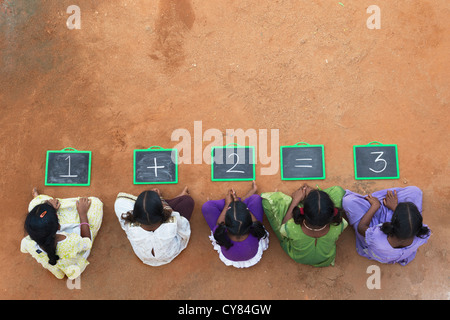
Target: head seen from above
[
  {"x": 406, "y": 222},
  {"x": 41, "y": 225},
  {"x": 318, "y": 210}
]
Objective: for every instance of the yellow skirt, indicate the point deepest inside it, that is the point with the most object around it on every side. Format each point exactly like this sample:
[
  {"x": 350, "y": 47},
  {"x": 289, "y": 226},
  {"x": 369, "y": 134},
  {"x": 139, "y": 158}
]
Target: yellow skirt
[{"x": 74, "y": 250}]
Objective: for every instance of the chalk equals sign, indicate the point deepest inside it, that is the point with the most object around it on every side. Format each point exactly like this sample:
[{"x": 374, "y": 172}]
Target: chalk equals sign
[{"x": 303, "y": 165}]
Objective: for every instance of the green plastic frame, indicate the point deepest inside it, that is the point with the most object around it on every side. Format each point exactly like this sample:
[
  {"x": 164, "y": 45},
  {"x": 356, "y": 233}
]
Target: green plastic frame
[
  {"x": 233, "y": 145},
  {"x": 68, "y": 150},
  {"x": 374, "y": 144},
  {"x": 300, "y": 145},
  {"x": 156, "y": 148}
]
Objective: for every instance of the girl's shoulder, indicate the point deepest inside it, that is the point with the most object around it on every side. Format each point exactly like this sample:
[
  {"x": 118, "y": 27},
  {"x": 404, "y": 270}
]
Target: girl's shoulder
[
  {"x": 126, "y": 196},
  {"x": 340, "y": 227},
  {"x": 376, "y": 238},
  {"x": 168, "y": 229},
  {"x": 293, "y": 228}
]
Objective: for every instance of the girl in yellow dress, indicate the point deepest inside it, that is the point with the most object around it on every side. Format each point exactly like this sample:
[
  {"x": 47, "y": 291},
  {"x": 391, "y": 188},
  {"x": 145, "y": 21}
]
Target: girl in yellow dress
[{"x": 61, "y": 232}]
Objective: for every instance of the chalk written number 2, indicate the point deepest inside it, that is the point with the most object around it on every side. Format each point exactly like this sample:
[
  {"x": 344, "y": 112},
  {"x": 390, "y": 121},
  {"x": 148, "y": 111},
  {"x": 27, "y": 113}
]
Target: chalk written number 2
[
  {"x": 378, "y": 159},
  {"x": 237, "y": 161}
]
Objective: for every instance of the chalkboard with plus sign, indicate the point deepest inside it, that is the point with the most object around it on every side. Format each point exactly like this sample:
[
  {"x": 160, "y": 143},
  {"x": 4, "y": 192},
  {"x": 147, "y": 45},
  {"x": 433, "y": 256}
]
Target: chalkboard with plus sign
[{"x": 155, "y": 165}]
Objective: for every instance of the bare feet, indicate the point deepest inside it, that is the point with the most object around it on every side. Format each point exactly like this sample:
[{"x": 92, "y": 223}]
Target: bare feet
[
  {"x": 34, "y": 192},
  {"x": 254, "y": 187},
  {"x": 184, "y": 192},
  {"x": 252, "y": 191}
]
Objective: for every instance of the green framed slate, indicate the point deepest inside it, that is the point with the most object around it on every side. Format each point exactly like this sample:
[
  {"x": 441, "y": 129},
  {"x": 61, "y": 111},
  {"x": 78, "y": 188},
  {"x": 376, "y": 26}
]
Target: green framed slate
[
  {"x": 302, "y": 161},
  {"x": 233, "y": 163},
  {"x": 68, "y": 167},
  {"x": 376, "y": 161},
  {"x": 155, "y": 165}
]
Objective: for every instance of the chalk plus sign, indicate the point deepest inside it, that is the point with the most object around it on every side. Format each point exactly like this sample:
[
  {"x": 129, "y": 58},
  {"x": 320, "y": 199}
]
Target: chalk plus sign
[{"x": 155, "y": 167}]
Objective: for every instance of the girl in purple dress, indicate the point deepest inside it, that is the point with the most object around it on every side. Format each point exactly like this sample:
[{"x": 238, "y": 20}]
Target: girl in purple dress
[
  {"x": 388, "y": 224},
  {"x": 237, "y": 232}
]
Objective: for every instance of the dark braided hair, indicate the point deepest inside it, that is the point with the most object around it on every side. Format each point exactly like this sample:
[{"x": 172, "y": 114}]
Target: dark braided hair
[
  {"x": 148, "y": 209},
  {"x": 406, "y": 222},
  {"x": 318, "y": 209},
  {"x": 41, "y": 225},
  {"x": 238, "y": 222}
]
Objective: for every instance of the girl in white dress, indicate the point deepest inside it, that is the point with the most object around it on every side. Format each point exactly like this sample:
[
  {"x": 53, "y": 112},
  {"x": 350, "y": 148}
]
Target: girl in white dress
[{"x": 157, "y": 229}]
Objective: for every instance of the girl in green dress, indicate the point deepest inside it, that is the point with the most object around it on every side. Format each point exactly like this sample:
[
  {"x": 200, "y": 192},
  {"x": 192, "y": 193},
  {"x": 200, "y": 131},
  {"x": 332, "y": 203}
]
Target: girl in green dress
[{"x": 307, "y": 224}]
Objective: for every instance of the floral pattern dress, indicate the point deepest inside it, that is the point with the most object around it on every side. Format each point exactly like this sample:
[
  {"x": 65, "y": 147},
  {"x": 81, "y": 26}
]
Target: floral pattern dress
[{"x": 74, "y": 250}]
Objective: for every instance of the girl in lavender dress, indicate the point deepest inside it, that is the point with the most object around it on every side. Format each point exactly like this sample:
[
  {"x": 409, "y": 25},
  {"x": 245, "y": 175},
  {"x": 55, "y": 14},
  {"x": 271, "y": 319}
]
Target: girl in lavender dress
[
  {"x": 388, "y": 224},
  {"x": 237, "y": 232}
]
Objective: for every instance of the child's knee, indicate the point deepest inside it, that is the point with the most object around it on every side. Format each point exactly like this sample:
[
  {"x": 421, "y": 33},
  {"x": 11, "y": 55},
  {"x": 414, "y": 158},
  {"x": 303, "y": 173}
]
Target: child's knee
[
  {"x": 96, "y": 207},
  {"x": 415, "y": 190},
  {"x": 336, "y": 191},
  {"x": 347, "y": 200},
  {"x": 96, "y": 201},
  {"x": 188, "y": 201},
  {"x": 206, "y": 207},
  {"x": 253, "y": 198}
]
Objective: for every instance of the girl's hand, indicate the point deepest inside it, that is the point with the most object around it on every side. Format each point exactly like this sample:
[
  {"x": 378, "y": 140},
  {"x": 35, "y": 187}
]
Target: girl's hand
[
  {"x": 374, "y": 202},
  {"x": 158, "y": 192},
  {"x": 391, "y": 200},
  {"x": 54, "y": 203},
  {"x": 299, "y": 195},
  {"x": 308, "y": 189},
  {"x": 83, "y": 205},
  {"x": 230, "y": 197},
  {"x": 366, "y": 219}
]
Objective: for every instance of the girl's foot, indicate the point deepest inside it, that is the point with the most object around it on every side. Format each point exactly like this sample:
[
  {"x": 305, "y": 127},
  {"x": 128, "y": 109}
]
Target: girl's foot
[
  {"x": 184, "y": 192},
  {"x": 34, "y": 192},
  {"x": 254, "y": 187},
  {"x": 252, "y": 191}
]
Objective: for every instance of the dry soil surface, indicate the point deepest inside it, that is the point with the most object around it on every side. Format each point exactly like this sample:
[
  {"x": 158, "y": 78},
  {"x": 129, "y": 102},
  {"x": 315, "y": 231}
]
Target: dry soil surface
[{"x": 137, "y": 71}]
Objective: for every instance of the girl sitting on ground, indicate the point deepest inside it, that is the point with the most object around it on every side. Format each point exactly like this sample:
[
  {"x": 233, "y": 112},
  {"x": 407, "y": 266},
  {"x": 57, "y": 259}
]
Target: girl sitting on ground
[
  {"x": 61, "y": 232},
  {"x": 237, "y": 232},
  {"x": 157, "y": 229},
  {"x": 388, "y": 224},
  {"x": 308, "y": 224}
]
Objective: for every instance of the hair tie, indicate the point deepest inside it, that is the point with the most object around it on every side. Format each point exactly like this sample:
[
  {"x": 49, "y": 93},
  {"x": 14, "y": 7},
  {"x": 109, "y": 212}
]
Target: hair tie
[
  {"x": 43, "y": 214},
  {"x": 302, "y": 212}
]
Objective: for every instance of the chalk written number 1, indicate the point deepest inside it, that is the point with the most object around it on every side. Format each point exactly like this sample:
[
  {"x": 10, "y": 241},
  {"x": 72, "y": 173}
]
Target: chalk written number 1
[
  {"x": 68, "y": 175},
  {"x": 380, "y": 153}
]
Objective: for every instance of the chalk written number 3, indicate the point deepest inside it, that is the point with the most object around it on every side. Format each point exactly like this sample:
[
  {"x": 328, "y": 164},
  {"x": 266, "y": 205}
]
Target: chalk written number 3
[{"x": 378, "y": 159}]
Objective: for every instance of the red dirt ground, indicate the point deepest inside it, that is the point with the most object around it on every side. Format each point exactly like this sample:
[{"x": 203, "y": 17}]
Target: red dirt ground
[{"x": 138, "y": 70}]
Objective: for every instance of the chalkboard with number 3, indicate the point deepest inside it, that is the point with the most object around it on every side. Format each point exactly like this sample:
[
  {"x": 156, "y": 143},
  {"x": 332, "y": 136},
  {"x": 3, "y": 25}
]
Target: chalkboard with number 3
[{"x": 376, "y": 161}]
